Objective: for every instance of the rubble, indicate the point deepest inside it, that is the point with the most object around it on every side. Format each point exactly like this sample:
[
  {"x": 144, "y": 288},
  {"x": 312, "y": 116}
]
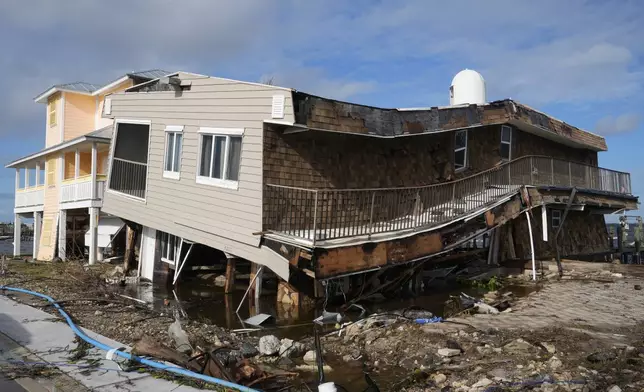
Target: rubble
[{"x": 269, "y": 345}]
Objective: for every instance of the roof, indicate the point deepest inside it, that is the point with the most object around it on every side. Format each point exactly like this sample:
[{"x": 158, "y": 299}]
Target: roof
[
  {"x": 103, "y": 135},
  {"x": 96, "y": 89},
  {"x": 317, "y": 113}
]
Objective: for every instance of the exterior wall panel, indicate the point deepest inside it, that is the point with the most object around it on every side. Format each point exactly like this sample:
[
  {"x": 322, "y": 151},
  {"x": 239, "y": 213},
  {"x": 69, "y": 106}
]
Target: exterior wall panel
[{"x": 218, "y": 217}]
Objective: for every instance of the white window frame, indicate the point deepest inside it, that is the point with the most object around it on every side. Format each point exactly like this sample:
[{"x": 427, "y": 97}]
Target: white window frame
[
  {"x": 227, "y": 133},
  {"x": 165, "y": 248},
  {"x": 460, "y": 149},
  {"x": 172, "y": 131},
  {"x": 509, "y": 143},
  {"x": 555, "y": 215}
]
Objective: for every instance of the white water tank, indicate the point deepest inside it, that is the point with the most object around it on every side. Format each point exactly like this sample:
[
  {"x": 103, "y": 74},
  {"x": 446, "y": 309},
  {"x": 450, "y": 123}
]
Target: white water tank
[{"x": 468, "y": 87}]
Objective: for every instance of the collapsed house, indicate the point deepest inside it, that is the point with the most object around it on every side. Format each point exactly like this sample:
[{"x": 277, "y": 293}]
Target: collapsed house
[{"x": 317, "y": 189}]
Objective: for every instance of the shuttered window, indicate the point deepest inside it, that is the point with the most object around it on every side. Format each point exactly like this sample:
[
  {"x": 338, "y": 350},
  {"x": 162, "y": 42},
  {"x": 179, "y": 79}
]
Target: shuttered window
[
  {"x": 51, "y": 172},
  {"x": 52, "y": 112}
]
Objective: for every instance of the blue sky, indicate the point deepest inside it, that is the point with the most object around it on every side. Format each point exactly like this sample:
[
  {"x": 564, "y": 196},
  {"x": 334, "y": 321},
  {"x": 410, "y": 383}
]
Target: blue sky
[{"x": 580, "y": 61}]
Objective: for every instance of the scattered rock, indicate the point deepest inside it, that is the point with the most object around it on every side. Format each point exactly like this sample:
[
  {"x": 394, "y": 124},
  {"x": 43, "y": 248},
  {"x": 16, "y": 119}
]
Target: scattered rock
[
  {"x": 118, "y": 270},
  {"x": 602, "y": 356},
  {"x": 291, "y": 349},
  {"x": 482, "y": 384},
  {"x": 484, "y": 350},
  {"x": 283, "y": 361},
  {"x": 617, "y": 275},
  {"x": 180, "y": 337},
  {"x": 453, "y": 344},
  {"x": 637, "y": 287},
  {"x": 220, "y": 281},
  {"x": 269, "y": 345},
  {"x": 614, "y": 388},
  {"x": 248, "y": 350},
  {"x": 555, "y": 363},
  {"x": 353, "y": 329},
  {"x": 98, "y": 313},
  {"x": 485, "y": 308},
  {"x": 439, "y": 378},
  {"x": 549, "y": 347},
  {"x": 518, "y": 346},
  {"x": 448, "y": 352},
  {"x": 310, "y": 356},
  {"x": 500, "y": 374}
]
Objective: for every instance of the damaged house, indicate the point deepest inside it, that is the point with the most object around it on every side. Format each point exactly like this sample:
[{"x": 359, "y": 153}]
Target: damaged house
[{"x": 316, "y": 189}]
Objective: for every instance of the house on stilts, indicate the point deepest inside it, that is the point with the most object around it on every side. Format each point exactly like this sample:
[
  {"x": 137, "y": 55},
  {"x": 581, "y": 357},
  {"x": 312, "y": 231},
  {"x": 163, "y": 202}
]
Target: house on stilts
[{"x": 319, "y": 190}]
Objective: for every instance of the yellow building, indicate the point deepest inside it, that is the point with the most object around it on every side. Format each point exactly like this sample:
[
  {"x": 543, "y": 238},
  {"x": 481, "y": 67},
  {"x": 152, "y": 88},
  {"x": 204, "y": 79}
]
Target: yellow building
[{"x": 62, "y": 186}]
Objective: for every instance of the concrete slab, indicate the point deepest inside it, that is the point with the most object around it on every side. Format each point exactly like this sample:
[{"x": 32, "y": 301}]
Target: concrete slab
[{"x": 52, "y": 341}]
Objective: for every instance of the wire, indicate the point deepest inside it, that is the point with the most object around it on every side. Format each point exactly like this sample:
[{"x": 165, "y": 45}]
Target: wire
[{"x": 157, "y": 365}]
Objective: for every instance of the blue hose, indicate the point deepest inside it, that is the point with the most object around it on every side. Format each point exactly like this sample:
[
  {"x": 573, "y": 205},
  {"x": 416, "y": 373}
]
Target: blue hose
[{"x": 147, "y": 362}]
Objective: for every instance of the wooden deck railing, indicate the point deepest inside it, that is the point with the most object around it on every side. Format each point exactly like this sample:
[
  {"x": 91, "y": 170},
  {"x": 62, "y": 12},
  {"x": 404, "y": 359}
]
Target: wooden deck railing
[{"x": 323, "y": 214}]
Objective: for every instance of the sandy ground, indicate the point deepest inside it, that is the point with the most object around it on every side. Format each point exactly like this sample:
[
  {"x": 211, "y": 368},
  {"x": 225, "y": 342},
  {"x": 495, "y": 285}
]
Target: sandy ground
[{"x": 582, "y": 332}]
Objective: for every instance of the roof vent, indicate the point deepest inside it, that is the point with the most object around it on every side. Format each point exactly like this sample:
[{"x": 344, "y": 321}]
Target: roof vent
[{"x": 278, "y": 106}]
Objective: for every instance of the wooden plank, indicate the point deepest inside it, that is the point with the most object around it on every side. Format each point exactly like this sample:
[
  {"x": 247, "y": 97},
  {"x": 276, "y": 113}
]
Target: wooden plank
[{"x": 230, "y": 276}]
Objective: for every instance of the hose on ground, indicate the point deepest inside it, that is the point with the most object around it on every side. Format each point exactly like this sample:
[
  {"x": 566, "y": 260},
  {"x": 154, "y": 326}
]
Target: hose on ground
[{"x": 153, "y": 364}]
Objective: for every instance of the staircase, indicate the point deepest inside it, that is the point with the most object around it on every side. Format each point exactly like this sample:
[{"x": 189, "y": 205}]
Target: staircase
[{"x": 315, "y": 216}]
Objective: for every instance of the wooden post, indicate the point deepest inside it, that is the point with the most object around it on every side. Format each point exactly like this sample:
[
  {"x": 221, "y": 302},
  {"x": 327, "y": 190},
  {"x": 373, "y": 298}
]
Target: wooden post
[
  {"x": 512, "y": 254},
  {"x": 17, "y": 226},
  {"x": 230, "y": 275},
  {"x": 256, "y": 289},
  {"x": 130, "y": 241},
  {"x": 37, "y": 231}
]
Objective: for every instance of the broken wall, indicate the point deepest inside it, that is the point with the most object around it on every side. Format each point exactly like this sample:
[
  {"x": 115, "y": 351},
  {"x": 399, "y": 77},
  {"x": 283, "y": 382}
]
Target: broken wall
[
  {"x": 326, "y": 160},
  {"x": 582, "y": 234}
]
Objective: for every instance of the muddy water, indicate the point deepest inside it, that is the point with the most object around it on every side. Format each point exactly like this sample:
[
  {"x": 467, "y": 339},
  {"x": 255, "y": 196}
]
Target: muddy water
[{"x": 203, "y": 301}]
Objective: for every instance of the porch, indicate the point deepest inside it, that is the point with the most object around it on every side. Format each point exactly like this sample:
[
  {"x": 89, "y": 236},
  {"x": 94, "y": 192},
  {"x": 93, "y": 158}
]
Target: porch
[
  {"x": 84, "y": 175},
  {"x": 333, "y": 217}
]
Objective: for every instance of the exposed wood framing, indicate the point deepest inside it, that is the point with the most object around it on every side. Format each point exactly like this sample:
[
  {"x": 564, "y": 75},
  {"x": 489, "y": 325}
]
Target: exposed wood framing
[
  {"x": 229, "y": 286},
  {"x": 368, "y": 256},
  {"x": 130, "y": 243}
]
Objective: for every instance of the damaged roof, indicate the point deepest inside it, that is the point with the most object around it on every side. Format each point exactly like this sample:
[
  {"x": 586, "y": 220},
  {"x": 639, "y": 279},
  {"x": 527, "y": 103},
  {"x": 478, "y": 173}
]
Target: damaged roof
[
  {"x": 96, "y": 89},
  {"x": 319, "y": 113}
]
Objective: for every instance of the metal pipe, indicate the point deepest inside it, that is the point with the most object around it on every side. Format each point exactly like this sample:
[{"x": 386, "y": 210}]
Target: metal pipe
[
  {"x": 248, "y": 289},
  {"x": 534, "y": 264}
]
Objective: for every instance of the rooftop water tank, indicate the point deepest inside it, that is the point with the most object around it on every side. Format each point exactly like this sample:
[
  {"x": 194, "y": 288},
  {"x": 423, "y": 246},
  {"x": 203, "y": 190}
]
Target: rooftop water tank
[{"x": 468, "y": 87}]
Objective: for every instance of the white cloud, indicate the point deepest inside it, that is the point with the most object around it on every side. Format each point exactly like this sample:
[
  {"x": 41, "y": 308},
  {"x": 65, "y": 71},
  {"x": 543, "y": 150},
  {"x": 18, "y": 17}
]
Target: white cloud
[
  {"x": 537, "y": 52},
  {"x": 621, "y": 124}
]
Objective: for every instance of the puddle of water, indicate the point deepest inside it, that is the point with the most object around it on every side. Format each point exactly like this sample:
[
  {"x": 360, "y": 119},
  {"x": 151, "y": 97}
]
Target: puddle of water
[{"x": 203, "y": 301}]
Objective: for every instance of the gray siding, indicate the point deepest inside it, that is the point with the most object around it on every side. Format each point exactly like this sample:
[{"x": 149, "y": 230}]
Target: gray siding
[{"x": 218, "y": 217}]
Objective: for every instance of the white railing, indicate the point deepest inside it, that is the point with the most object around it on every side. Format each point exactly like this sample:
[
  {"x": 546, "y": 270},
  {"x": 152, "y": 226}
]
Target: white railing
[
  {"x": 81, "y": 190},
  {"x": 30, "y": 197}
]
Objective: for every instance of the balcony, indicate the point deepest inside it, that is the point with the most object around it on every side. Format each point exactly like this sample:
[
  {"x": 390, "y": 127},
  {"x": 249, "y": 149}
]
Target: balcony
[
  {"x": 312, "y": 215},
  {"x": 129, "y": 165},
  {"x": 129, "y": 177},
  {"x": 30, "y": 197},
  {"x": 80, "y": 189}
]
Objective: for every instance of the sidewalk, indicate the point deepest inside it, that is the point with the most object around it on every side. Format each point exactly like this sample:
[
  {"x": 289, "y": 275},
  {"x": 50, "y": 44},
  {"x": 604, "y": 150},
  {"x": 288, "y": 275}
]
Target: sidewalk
[{"x": 32, "y": 335}]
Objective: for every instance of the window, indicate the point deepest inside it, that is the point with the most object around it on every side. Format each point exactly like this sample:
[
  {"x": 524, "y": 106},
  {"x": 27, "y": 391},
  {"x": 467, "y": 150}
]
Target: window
[
  {"x": 170, "y": 248},
  {"x": 51, "y": 172},
  {"x": 219, "y": 156},
  {"x": 460, "y": 150},
  {"x": 556, "y": 219},
  {"x": 52, "y": 112},
  {"x": 173, "y": 141},
  {"x": 506, "y": 142}
]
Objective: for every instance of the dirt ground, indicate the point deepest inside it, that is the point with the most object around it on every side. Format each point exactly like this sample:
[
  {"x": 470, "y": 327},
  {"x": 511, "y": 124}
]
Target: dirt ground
[{"x": 582, "y": 332}]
